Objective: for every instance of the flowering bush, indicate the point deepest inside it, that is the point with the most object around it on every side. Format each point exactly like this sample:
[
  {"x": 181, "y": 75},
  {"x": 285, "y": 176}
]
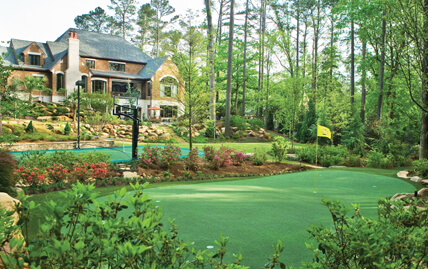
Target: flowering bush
[
  {"x": 238, "y": 158},
  {"x": 209, "y": 153},
  {"x": 170, "y": 156},
  {"x": 80, "y": 172},
  {"x": 31, "y": 176},
  {"x": 150, "y": 156},
  {"x": 222, "y": 157},
  {"x": 192, "y": 160},
  {"x": 99, "y": 170},
  {"x": 57, "y": 173}
]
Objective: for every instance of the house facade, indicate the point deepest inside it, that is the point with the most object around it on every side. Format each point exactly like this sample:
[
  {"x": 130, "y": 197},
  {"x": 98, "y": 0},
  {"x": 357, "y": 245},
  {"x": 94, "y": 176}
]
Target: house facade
[{"x": 105, "y": 63}]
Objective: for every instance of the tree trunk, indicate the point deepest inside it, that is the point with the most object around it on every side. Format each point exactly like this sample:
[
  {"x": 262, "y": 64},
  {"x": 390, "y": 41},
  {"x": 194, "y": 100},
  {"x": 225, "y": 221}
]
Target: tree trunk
[
  {"x": 382, "y": 69},
  {"x": 352, "y": 63},
  {"x": 245, "y": 60},
  {"x": 1, "y": 118},
  {"x": 363, "y": 82},
  {"x": 229, "y": 68},
  {"x": 423, "y": 152},
  {"x": 211, "y": 60}
]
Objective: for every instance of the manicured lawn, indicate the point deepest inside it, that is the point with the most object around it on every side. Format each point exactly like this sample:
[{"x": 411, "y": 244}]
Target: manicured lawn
[{"x": 256, "y": 213}]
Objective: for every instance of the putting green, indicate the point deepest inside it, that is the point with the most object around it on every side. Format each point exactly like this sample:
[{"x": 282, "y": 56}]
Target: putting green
[{"x": 256, "y": 213}]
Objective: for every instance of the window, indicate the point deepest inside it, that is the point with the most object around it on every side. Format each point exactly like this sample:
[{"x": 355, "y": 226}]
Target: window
[
  {"x": 117, "y": 66},
  {"x": 90, "y": 64},
  {"x": 168, "y": 111},
  {"x": 85, "y": 81},
  {"x": 98, "y": 86},
  {"x": 149, "y": 89},
  {"x": 168, "y": 87},
  {"x": 34, "y": 59},
  {"x": 59, "y": 81}
]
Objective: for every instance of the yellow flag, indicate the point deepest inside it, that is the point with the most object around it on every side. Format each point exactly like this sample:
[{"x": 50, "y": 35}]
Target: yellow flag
[{"x": 323, "y": 131}]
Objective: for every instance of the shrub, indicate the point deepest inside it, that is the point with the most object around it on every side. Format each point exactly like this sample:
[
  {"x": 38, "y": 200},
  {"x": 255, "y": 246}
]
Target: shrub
[
  {"x": 30, "y": 128},
  {"x": 98, "y": 170},
  {"x": 7, "y": 167},
  {"x": 238, "y": 158},
  {"x": 374, "y": 159},
  {"x": 255, "y": 123},
  {"x": 279, "y": 148},
  {"x": 354, "y": 241},
  {"x": 43, "y": 160},
  {"x": 221, "y": 158},
  {"x": 307, "y": 154},
  {"x": 170, "y": 156},
  {"x": 67, "y": 129},
  {"x": 209, "y": 129},
  {"x": 209, "y": 153},
  {"x": 150, "y": 156},
  {"x": 94, "y": 157},
  {"x": 80, "y": 172},
  {"x": 57, "y": 173},
  {"x": 239, "y": 122},
  {"x": 192, "y": 160},
  {"x": 421, "y": 167},
  {"x": 259, "y": 158},
  {"x": 31, "y": 176},
  {"x": 98, "y": 236},
  {"x": 18, "y": 130}
]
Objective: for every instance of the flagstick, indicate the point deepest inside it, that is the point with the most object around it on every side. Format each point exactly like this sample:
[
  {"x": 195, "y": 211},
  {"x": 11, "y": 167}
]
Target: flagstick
[{"x": 316, "y": 161}]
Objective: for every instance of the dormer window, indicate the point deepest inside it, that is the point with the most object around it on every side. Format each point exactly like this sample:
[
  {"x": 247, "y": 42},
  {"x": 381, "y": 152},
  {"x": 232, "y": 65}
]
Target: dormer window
[
  {"x": 90, "y": 63},
  {"x": 115, "y": 66},
  {"x": 34, "y": 58}
]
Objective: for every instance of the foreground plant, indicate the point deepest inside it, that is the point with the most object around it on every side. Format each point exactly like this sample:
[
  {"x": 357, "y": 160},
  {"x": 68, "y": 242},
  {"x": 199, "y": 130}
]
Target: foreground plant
[{"x": 79, "y": 232}]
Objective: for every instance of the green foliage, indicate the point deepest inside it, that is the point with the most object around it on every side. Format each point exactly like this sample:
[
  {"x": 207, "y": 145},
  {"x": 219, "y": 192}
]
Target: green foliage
[
  {"x": 279, "y": 148},
  {"x": 7, "y": 167},
  {"x": 61, "y": 90},
  {"x": 94, "y": 157},
  {"x": 255, "y": 123},
  {"x": 80, "y": 232},
  {"x": 327, "y": 155},
  {"x": 67, "y": 129},
  {"x": 42, "y": 159},
  {"x": 191, "y": 162},
  {"x": 239, "y": 122},
  {"x": 353, "y": 135},
  {"x": 209, "y": 128},
  {"x": 30, "y": 128},
  {"x": 259, "y": 157},
  {"x": 421, "y": 167},
  {"x": 309, "y": 119},
  {"x": 396, "y": 239},
  {"x": 100, "y": 102}
]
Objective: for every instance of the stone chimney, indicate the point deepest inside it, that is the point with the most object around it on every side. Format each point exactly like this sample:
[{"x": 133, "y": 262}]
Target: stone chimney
[{"x": 72, "y": 74}]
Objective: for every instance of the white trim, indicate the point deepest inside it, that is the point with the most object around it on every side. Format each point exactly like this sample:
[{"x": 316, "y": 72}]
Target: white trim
[
  {"x": 89, "y": 59},
  {"x": 85, "y": 75},
  {"x": 38, "y": 75},
  {"x": 105, "y": 80},
  {"x": 34, "y": 53},
  {"x": 169, "y": 76},
  {"x": 117, "y": 62},
  {"x": 59, "y": 72}
]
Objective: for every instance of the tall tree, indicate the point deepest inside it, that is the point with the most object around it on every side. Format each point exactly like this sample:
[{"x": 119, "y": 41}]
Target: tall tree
[
  {"x": 29, "y": 84},
  {"x": 210, "y": 49},
  {"x": 146, "y": 23},
  {"x": 163, "y": 9},
  {"x": 124, "y": 14},
  {"x": 244, "y": 72},
  {"x": 5, "y": 72},
  {"x": 229, "y": 67},
  {"x": 95, "y": 21}
]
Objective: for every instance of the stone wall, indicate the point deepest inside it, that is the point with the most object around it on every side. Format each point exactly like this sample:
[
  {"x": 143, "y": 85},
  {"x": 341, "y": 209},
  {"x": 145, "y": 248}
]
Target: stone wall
[{"x": 58, "y": 145}]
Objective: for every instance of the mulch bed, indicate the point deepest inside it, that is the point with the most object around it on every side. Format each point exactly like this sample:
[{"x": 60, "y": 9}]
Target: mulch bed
[{"x": 246, "y": 169}]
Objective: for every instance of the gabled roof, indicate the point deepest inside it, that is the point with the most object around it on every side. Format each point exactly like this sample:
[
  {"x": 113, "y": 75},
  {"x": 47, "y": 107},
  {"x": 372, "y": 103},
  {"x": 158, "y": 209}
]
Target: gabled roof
[
  {"x": 92, "y": 45},
  {"x": 152, "y": 66},
  {"x": 105, "y": 46}
]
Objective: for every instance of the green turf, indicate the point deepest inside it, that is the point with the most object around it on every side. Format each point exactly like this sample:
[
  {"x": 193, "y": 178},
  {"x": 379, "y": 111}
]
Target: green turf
[{"x": 257, "y": 212}]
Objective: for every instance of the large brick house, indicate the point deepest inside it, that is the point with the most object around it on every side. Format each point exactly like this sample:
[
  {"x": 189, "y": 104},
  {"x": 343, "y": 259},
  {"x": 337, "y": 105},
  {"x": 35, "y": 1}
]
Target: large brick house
[{"x": 105, "y": 63}]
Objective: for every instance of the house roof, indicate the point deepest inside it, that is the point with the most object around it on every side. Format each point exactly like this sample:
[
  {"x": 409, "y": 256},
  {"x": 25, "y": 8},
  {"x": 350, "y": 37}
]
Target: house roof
[
  {"x": 152, "y": 66},
  {"x": 105, "y": 46},
  {"x": 92, "y": 45}
]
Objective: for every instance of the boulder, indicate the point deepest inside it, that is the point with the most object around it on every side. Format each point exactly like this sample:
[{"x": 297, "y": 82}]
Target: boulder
[
  {"x": 234, "y": 129},
  {"x": 8, "y": 203},
  {"x": 159, "y": 131},
  {"x": 153, "y": 138},
  {"x": 165, "y": 136},
  {"x": 223, "y": 129},
  {"x": 423, "y": 193},
  {"x": 401, "y": 196},
  {"x": 219, "y": 124},
  {"x": 105, "y": 135},
  {"x": 108, "y": 126},
  {"x": 145, "y": 134},
  {"x": 403, "y": 174},
  {"x": 64, "y": 118},
  {"x": 153, "y": 135},
  {"x": 251, "y": 133},
  {"x": 44, "y": 118},
  {"x": 425, "y": 182},
  {"x": 416, "y": 179}
]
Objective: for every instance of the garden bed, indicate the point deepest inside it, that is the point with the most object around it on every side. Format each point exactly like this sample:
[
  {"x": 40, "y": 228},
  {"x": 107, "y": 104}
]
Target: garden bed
[{"x": 247, "y": 168}]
